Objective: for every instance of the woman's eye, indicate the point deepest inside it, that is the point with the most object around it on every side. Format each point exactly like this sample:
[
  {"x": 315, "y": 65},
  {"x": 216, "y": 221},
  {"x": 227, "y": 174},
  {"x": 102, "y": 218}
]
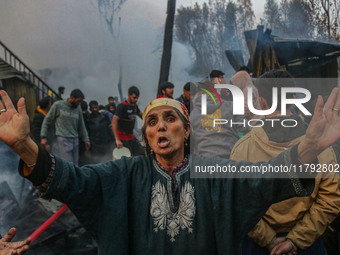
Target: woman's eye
[
  {"x": 152, "y": 123},
  {"x": 171, "y": 119}
]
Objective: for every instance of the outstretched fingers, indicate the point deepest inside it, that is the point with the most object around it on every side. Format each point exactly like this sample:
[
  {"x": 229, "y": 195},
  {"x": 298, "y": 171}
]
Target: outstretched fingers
[
  {"x": 20, "y": 251},
  {"x": 318, "y": 108},
  {"x": 336, "y": 106},
  {"x": 1, "y": 104},
  {"x": 332, "y": 100},
  {"x": 9, "y": 236},
  {"x": 8, "y": 102},
  {"x": 21, "y": 106}
]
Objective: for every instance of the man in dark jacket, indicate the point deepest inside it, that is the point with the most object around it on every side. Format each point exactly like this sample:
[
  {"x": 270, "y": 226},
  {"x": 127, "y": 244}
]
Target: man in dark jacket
[
  {"x": 294, "y": 224},
  {"x": 111, "y": 106},
  {"x": 100, "y": 133},
  {"x": 189, "y": 90},
  {"x": 40, "y": 113}
]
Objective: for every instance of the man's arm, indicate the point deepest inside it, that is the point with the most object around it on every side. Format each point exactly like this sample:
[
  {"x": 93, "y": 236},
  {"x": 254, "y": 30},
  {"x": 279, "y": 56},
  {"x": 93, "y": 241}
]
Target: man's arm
[
  {"x": 262, "y": 234},
  {"x": 115, "y": 131},
  {"x": 323, "y": 211},
  {"x": 83, "y": 132},
  {"x": 140, "y": 114},
  {"x": 46, "y": 125},
  {"x": 247, "y": 199}
]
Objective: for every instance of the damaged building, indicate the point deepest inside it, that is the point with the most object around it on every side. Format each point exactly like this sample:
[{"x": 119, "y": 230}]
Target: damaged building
[{"x": 306, "y": 59}]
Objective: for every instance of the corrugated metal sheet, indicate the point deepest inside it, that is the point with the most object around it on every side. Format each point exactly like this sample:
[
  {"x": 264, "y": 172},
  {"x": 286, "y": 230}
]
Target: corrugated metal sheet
[{"x": 7, "y": 71}]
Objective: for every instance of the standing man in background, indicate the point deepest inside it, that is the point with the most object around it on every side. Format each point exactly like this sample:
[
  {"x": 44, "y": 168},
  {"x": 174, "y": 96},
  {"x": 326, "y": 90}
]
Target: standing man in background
[
  {"x": 123, "y": 123},
  {"x": 69, "y": 126},
  {"x": 40, "y": 113},
  {"x": 99, "y": 128},
  {"x": 111, "y": 106},
  {"x": 167, "y": 90},
  {"x": 61, "y": 91},
  {"x": 186, "y": 97}
]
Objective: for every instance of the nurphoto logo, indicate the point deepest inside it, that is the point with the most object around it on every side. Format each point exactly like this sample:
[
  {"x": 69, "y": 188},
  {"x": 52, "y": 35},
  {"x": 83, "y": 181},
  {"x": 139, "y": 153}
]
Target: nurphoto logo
[{"x": 238, "y": 105}]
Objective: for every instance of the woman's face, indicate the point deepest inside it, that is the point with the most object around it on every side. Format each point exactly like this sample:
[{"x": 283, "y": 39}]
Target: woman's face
[{"x": 165, "y": 132}]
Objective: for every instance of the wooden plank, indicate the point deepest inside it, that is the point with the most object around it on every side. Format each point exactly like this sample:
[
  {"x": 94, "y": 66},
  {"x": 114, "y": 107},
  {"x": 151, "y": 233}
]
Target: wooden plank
[{"x": 17, "y": 88}]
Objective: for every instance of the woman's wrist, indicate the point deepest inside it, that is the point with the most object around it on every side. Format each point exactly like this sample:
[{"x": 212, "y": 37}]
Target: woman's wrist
[
  {"x": 28, "y": 151},
  {"x": 307, "y": 152}
]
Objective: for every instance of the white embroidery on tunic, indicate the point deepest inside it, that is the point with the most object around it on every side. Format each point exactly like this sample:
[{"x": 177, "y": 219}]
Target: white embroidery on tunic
[{"x": 162, "y": 215}]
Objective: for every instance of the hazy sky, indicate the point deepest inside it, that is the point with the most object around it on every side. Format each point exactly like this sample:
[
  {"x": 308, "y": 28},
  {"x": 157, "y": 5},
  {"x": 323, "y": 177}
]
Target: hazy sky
[{"x": 71, "y": 34}]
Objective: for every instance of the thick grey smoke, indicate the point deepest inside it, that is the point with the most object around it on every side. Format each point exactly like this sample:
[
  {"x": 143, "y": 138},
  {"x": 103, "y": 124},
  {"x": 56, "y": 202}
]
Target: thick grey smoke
[
  {"x": 71, "y": 39},
  {"x": 13, "y": 188}
]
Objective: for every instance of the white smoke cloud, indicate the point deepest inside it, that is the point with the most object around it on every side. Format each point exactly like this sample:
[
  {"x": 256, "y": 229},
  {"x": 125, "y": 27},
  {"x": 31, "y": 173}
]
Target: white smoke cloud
[{"x": 71, "y": 38}]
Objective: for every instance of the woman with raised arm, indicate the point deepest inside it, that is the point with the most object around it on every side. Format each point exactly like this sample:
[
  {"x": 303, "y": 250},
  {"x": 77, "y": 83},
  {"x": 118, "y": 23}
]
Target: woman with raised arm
[{"x": 149, "y": 204}]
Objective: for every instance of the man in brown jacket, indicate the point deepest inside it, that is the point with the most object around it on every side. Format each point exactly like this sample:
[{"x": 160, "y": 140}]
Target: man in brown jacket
[{"x": 297, "y": 223}]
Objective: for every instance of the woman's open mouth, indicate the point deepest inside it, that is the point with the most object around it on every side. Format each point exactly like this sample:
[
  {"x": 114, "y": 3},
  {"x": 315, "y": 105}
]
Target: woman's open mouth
[{"x": 163, "y": 142}]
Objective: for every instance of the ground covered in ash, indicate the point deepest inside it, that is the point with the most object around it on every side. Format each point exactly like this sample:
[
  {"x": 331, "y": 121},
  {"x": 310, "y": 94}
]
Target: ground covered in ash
[{"x": 22, "y": 208}]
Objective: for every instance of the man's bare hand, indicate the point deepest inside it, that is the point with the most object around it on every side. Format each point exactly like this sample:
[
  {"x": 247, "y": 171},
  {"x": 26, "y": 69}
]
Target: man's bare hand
[
  {"x": 15, "y": 248},
  {"x": 119, "y": 144},
  {"x": 87, "y": 146},
  {"x": 276, "y": 241},
  {"x": 285, "y": 247}
]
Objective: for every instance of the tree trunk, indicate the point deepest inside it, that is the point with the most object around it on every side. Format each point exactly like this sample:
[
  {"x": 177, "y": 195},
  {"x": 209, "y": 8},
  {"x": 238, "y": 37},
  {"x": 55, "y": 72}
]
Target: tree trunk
[{"x": 167, "y": 43}]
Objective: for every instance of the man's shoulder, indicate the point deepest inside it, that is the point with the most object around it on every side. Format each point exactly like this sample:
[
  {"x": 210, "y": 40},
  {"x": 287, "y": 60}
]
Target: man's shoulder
[
  {"x": 244, "y": 145},
  {"x": 180, "y": 99},
  {"x": 121, "y": 108},
  {"x": 244, "y": 140},
  {"x": 122, "y": 105},
  {"x": 60, "y": 102}
]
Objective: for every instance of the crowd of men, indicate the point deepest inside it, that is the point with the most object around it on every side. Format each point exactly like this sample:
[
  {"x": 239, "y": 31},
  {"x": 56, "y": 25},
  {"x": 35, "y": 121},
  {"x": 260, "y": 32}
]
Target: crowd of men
[
  {"x": 85, "y": 133},
  {"x": 294, "y": 225}
]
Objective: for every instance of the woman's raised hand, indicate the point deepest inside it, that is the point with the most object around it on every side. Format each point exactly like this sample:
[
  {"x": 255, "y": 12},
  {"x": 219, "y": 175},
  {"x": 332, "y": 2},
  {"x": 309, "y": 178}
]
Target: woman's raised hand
[
  {"x": 14, "y": 125},
  {"x": 323, "y": 130},
  {"x": 15, "y": 129}
]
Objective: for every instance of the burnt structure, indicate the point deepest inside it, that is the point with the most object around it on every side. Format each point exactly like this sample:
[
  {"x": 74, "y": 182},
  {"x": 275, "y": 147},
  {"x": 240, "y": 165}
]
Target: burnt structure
[
  {"x": 302, "y": 58},
  {"x": 21, "y": 207}
]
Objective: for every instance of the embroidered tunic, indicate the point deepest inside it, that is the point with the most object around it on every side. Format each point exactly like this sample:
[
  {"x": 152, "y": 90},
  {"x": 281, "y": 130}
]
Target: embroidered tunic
[{"x": 127, "y": 205}]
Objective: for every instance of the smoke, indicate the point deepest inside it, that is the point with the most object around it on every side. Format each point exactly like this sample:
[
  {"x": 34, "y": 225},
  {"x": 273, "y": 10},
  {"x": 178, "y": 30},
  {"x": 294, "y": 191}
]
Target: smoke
[
  {"x": 9, "y": 169},
  {"x": 69, "y": 43},
  {"x": 72, "y": 41},
  {"x": 13, "y": 188}
]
